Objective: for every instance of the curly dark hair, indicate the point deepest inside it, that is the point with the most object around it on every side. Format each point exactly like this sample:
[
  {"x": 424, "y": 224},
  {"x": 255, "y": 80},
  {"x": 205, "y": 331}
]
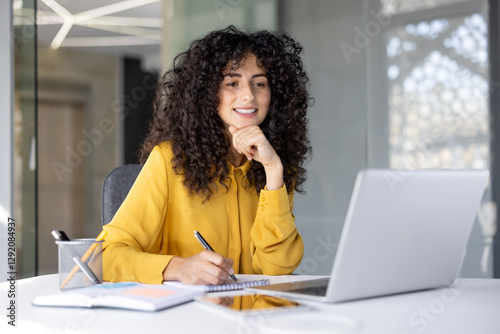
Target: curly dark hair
[{"x": 185, "y": 109}]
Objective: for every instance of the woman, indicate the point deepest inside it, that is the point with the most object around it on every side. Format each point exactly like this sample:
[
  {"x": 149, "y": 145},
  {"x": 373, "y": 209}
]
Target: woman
[{"x": 224, "y": 156}]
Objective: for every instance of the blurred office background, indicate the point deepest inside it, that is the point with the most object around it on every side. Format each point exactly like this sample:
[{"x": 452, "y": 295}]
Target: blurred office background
[{"x": 401, "y": 84}]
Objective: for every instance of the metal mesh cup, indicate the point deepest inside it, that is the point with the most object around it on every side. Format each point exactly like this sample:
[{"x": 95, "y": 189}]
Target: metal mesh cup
[{"x": 76, "y": 271}]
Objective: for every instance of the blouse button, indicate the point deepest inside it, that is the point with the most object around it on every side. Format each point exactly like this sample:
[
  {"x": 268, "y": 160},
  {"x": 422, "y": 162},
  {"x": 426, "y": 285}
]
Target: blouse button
[{"x": 261, "y": 207}]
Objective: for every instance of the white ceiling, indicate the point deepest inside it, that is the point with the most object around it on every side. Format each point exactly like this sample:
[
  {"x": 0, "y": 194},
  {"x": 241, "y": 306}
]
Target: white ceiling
[{"x": 101, "y": 26}]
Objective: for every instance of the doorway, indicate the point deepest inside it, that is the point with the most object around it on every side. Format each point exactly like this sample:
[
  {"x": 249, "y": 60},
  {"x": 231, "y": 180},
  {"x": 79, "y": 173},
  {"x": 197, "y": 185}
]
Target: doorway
[{"x": 62, "y": 169}]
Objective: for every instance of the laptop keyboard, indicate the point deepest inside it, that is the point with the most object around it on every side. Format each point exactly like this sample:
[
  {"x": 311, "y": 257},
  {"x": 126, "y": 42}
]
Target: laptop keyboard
[
  {"x": 316, "y": 287},
  {"x": 312, "y": 290}
]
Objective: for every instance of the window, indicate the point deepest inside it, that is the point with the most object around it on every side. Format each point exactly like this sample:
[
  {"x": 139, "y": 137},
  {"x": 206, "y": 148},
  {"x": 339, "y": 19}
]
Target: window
[{"x": 428, "y": 98}]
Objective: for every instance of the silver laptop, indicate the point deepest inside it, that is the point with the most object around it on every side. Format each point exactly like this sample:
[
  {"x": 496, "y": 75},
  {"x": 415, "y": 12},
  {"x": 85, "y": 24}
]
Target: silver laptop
[{"x": 404, "y": 231}]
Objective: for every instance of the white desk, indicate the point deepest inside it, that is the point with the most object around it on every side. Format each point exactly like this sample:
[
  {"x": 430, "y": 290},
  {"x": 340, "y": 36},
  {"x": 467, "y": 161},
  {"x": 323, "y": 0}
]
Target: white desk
[{"x": 471, "y": 306}]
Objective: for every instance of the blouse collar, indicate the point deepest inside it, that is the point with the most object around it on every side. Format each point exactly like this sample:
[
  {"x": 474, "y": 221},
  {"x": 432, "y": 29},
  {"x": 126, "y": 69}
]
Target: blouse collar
[{"x": 244, "y": 168}]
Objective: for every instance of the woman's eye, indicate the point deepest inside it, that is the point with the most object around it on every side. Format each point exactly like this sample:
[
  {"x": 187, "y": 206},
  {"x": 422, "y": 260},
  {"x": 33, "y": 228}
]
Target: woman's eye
[{"x": 232, "y": 84}]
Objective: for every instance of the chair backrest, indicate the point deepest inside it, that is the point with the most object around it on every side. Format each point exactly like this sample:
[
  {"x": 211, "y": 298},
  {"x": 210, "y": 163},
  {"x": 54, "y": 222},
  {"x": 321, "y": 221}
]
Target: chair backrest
[{"x": 115, "y": 188}]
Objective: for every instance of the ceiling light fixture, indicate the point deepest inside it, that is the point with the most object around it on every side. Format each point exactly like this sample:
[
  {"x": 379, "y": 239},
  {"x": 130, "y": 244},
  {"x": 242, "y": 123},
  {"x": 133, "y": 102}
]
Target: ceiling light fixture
[
  {"x": 132, "y": 31},
  {"x": 61, "y": 34},
  {"x": 106, "y": 41},
  {"x": 127, "y": 21},
  {"x": 45, "y": 18},
  {"x": 111, "y": 9},
  {"x": 58, "y": 9},
  {"x": 85, "y": 19}
]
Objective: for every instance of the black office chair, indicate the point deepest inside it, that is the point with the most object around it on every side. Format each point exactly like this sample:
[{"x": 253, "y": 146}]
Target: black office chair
[{"x": 115, "y": 188}]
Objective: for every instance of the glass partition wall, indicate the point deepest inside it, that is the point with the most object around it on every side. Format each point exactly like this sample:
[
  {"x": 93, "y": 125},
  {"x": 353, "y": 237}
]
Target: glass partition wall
[{"x": 24, "y": 136}]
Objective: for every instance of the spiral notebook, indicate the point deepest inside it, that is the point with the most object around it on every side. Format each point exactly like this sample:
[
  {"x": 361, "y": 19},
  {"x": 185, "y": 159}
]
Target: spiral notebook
[{"x": 240, "y": 285}]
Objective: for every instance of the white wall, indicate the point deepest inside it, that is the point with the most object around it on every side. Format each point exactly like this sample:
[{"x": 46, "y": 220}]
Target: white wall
[
  {"x": 337, "y": 121},
  {"x": 6, "y": 175}
]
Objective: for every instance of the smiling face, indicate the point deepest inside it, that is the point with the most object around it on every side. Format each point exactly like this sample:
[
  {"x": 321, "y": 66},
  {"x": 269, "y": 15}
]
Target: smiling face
[{"x": 244, "y": 94}]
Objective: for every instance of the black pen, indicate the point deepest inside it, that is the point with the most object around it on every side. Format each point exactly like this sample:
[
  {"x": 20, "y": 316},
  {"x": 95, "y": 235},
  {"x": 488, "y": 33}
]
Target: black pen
[
  {"x": 60, "y": 235},
  {"x": 205, "y": 245}
]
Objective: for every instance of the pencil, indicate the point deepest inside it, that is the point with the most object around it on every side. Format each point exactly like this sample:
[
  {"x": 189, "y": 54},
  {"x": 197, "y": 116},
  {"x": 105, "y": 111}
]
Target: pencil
[{"x": 85, "y": 257}]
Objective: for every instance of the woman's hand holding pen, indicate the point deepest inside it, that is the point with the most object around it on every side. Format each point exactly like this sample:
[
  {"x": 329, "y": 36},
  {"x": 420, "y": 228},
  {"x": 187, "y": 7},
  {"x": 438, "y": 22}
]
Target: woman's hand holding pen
[
  {"x": 204, "y": 268},
  {"x": 252, "y": 142}
]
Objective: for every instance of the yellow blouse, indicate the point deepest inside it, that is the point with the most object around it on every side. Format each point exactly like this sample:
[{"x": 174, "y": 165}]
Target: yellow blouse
[{"x": 158, "y": 218}]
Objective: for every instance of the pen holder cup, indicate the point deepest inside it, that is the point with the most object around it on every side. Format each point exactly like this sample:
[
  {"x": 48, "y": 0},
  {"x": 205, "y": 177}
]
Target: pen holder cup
[{"x": 80, "y": 263}]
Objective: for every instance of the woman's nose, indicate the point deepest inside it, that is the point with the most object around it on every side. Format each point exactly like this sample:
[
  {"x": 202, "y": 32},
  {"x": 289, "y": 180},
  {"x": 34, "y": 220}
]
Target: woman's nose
[{"x": 246, "y": 93}]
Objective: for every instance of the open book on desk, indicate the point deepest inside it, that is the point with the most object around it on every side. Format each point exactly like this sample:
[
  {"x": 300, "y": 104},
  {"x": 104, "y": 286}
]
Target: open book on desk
[
  {"x": 243, "y": 282},
  {"x": 126, "y": 295}
]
